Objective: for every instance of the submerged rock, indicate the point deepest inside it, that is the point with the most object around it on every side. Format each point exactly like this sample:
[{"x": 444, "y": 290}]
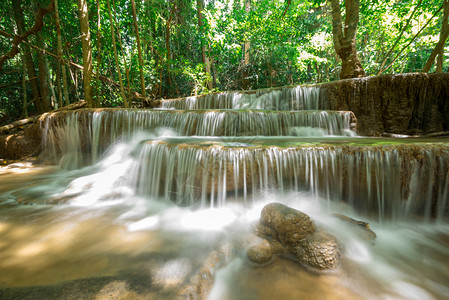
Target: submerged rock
[
  {"x": 260, "y": 252},
  {"x": 291, "y": 232},
  {"x": 363, "y": 229},
  {"x": 201, "y": 282}
]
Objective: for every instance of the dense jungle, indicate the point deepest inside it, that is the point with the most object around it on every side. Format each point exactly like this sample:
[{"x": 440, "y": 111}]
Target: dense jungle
[{"x": 127, "y": 53}]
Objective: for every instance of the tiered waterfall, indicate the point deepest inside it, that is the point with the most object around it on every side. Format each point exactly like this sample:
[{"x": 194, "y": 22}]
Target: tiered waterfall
[{"x": 209, "y": 150}]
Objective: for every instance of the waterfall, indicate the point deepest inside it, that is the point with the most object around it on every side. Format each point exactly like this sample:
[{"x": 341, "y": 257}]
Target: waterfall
[
  {"x": 285, "y": 98},
  {"x": 388, "y": 180},
  {"x": 243, "y": 146},
  {"x": 164, "y": 203},
  {"x": 91, "y": 131}
]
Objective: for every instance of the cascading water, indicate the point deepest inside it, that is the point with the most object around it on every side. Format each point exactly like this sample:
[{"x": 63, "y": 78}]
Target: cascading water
[
  {"x": 285, "y": 99},
  {"x": 388, "y": 178},
  {"x": 122, "y": 230},
  {"x": 90, "y": 132}
]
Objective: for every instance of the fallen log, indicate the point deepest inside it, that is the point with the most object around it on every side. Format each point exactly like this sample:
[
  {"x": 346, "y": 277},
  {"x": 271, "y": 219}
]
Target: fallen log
[
  {"x": 438, "y": 134},
  {"x": 7, "y": 128}
]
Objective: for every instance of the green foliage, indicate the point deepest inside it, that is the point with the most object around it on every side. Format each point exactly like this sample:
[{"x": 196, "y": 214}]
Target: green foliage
[{"x": 290, "y": 42}]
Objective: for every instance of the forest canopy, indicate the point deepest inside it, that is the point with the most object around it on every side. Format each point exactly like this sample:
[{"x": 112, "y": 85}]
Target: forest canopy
[{"x": 127, "y": 52}]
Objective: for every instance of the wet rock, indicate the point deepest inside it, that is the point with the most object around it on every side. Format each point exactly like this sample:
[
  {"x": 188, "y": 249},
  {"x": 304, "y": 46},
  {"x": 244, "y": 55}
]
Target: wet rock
[
  {"x": 18, "y": 146},
  {"x": 201, "y": 282},
  {"x": 363, "y": 229},
  {"x": 155, "y": 103},
  {"x": 289, "y": 225},
  {"x": 291, "y": 232},
  {"x": 260, "y": 252},
  {"x": 409, "y": 104},
  {"x": 319, "y": 251},
  {"x": 119, "y": 290}
]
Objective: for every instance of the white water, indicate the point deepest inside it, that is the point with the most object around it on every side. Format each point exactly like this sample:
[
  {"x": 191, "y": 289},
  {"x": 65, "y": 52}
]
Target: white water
[
  {"x": 74, "y": 134},
  {"x": 286, "y": 99}
]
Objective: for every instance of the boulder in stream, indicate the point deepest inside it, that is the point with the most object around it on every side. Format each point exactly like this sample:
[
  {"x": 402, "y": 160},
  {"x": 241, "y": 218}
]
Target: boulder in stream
[
  {"x": 260, "y": 252},
  {"x": 291, "y": 232}
]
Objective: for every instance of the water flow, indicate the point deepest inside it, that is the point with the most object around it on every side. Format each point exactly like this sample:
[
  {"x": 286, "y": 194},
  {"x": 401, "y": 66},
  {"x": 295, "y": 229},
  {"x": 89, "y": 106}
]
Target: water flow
[
  {"x": 285, "y": 98},
  {"x": 387, "y": 181},
  {"x": 73, "y": 135}
]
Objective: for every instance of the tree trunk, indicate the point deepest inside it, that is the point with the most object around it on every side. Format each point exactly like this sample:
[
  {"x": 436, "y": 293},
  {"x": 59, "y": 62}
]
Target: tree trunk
[
  {"x": 246, "y": 53},
  {"x": 24, "y": 88},
  {"x": 97, "y": 90},
  {"x": 438, "y": 50},
  {"x": 114, "y": 46},
  {"x": 53, "y": 99},
  {"x": 74, "y": 76},
  {"x": 167, "y": 42},
  {"x": 87, "y": 52},
  {"x": 440, "y": 60},
  {"x": 214, "y": 72},
  {"x": 65, "y": 87},
  {"x": 58, "y": 85},
  {"x": 139, "y": 50},
  {"x": 125, "y": 64},
  {"x": 204, "y": 50},
  {"x": 345, "y": 41},
  {"x": 247, "y": 43},
  {"x": 43, "y": 74},
  {"x": 28, "y": 60}
]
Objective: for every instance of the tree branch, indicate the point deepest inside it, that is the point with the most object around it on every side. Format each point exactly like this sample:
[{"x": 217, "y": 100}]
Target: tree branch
[
  {"x": 16, "y": 82},
  {"x": 443, "y": 37},
  {"x": 38, "y": 24},
  {"x": 411, "y": 41},
  {"x": 286, "y": 9},
  {"x": 4, "y": 33},
  {"x": 80, "y": 67},
  {"x": 399, "y": 37}
]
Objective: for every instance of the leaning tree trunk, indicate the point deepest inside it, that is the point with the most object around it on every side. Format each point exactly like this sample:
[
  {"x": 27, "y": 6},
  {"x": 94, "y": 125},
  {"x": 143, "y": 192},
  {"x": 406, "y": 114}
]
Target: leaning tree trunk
[
  {"x": 440, "y": 59},
  {"x": 438, "y": 50},
  {"x": 87, "y": 52},
  {"x": 345, "y": 40},
  {"x": 404, "y": 28}
]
